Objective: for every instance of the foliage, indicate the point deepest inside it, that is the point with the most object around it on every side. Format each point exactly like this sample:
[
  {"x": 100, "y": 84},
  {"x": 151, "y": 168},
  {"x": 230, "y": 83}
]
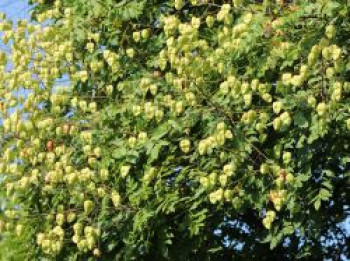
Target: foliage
[{"x": 177, "y": 130}]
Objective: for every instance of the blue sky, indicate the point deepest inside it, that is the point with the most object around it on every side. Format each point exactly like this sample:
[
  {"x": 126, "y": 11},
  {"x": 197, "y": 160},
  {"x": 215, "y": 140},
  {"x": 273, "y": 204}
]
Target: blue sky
[{"x": 15, "y": 9}]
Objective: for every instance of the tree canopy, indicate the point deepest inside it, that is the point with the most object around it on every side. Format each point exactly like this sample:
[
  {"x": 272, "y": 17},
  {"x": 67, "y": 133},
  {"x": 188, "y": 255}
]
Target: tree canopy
[{"x": 175, "y": 130}]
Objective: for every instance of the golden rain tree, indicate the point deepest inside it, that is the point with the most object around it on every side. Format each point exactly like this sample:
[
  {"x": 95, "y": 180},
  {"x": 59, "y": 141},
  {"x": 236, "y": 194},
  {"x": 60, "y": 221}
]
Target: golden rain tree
[{"x": 175, "y": 130}]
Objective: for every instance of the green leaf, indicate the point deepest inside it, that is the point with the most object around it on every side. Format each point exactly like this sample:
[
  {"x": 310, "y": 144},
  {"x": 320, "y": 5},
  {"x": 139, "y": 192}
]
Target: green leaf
[
  {"x": 324, "y": 194},
  {"x": 119, "y": 153},
  {"x": 288, "y": 230},
  {"x": 274, "y": 242},
  {"x": 300, "y": 120},
  {"x": 317, "y": 204}
]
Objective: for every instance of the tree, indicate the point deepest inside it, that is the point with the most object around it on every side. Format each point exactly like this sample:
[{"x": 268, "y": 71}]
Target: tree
[{"x": 180, "y": 130}]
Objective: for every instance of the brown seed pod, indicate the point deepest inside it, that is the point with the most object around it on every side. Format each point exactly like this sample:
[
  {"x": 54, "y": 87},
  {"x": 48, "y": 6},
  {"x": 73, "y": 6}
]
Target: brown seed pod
[
  {"x": 157, "y": 74},
  {"x": 47, "y": 179},
  {"x": 268, "y": 30},
  {"x": 66, "y": 128},
  {"x": 283, "y": 174},
  {"x": 49, "y": 145},
  {"x": 293, "y": 8},
  {"x": 24, "y": 154},
  {"x": 272, "y": 196},
  {"x": 279, "y": 33}
]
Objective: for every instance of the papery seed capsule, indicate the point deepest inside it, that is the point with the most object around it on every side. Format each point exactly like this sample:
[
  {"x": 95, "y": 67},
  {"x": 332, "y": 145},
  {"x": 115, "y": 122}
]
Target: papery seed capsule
[
  {"x": 264, "y": 168},
  {"x": 88, "y": 206},
  {"x": 124, "y": 171},
  {"x": 116, "y": 199},
  {"x": 71, "y": 217},
  {"x": 348, "y": 124},
  {"x": 104, "y": 173},
  {"x": 185, "y": 145},
  {"x": 142, "y": 137},
  {"x": 136, "y": 36},
  {"x": 330, "y": 31},
  {"x": 145, "y": 33},
  {"x": 78, "y": 228},
  {"x": 223, "y": 180},
  {"x": 130, "y": 52},
  {"x": 50, "y": 145},
  {"x": 277, "y": 123},
  {"x": 289, "y": 178},
  {"x": 19, "y": 230},
  {"x": 321, "y": 109},
  {"x": 66, "y": 128},
  {"x": 90, "y": 47},
  {"x": 96, "y": 252},
  {"x": 287, "y": 156}
]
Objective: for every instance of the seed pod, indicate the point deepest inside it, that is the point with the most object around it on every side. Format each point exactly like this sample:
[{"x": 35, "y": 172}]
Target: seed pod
[
  {"x": 223, "y": 180},
  {"x": 216, "y": 196},
  {"x": 66, "y": 128},
  {"x": 91, "y": 242},
  {"x": 279, "y": 182},
  {"x": 97, "y": 152},
  {"x": 78, "y": 228},
  {"x": 267, "y": 224},
  {"x": 90, "y": 47},
  {"x": 286, "y": 78},
  {"x": 109, "y": 89},
  {"x": 71, "y": 217},
  {"x": 210, "y": 21},
  {"x": 311, "y": 101},
  {"x": 145, "y": 33},
  {"x": 321, "y": 109},
  {"x": 289, "y": 178},
  {"x": 287, "y": 156},
  {"x": 153, "y": 89},
  {"x": 19, "y": 230},
  {"x": 283, "y": 174},
  {"x": 159, "y": 115},
  {"x": 348, "y": 124},
  {"x": 248, "y": 99},
  {"x": 327, "y": 53},
  {"x": 271, "y": 215},
  {"x": 132, "y": 142},
  {"x": 136, "y": 36},
  {"x": 60, "y": 219},
  {"x": 142, "y": 136},
  {"x": 336, "y": 53},
  {"x": 277, "y": 107},
  {"x": 157, "y": 74},
  {"x": 228, "y": 169},
  {"x": 116, "y": 199},
  {"x": 97, "y": 252},
  {"x": 88, "y": 206},
  {"x": 330, "y": 31},
  {"x": 264, "y": 168},
  {"x": 185, "y": 145},
  {"x": 277, "y": 124},
  {"x": 278, "y": 204},
  {"x": 93, "y": 107},
  {"x": 213, "y": 178},
  {"x": 124, "y": 171},
  {"x": 204, "y": 181},
  {"x": 130, "y": 52},
  {"x": 179, "y": 108},
  {"x": 202, "y": 147},
  {"x": 267, "y": 97},
  {"x": 50, "y": 145}
]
